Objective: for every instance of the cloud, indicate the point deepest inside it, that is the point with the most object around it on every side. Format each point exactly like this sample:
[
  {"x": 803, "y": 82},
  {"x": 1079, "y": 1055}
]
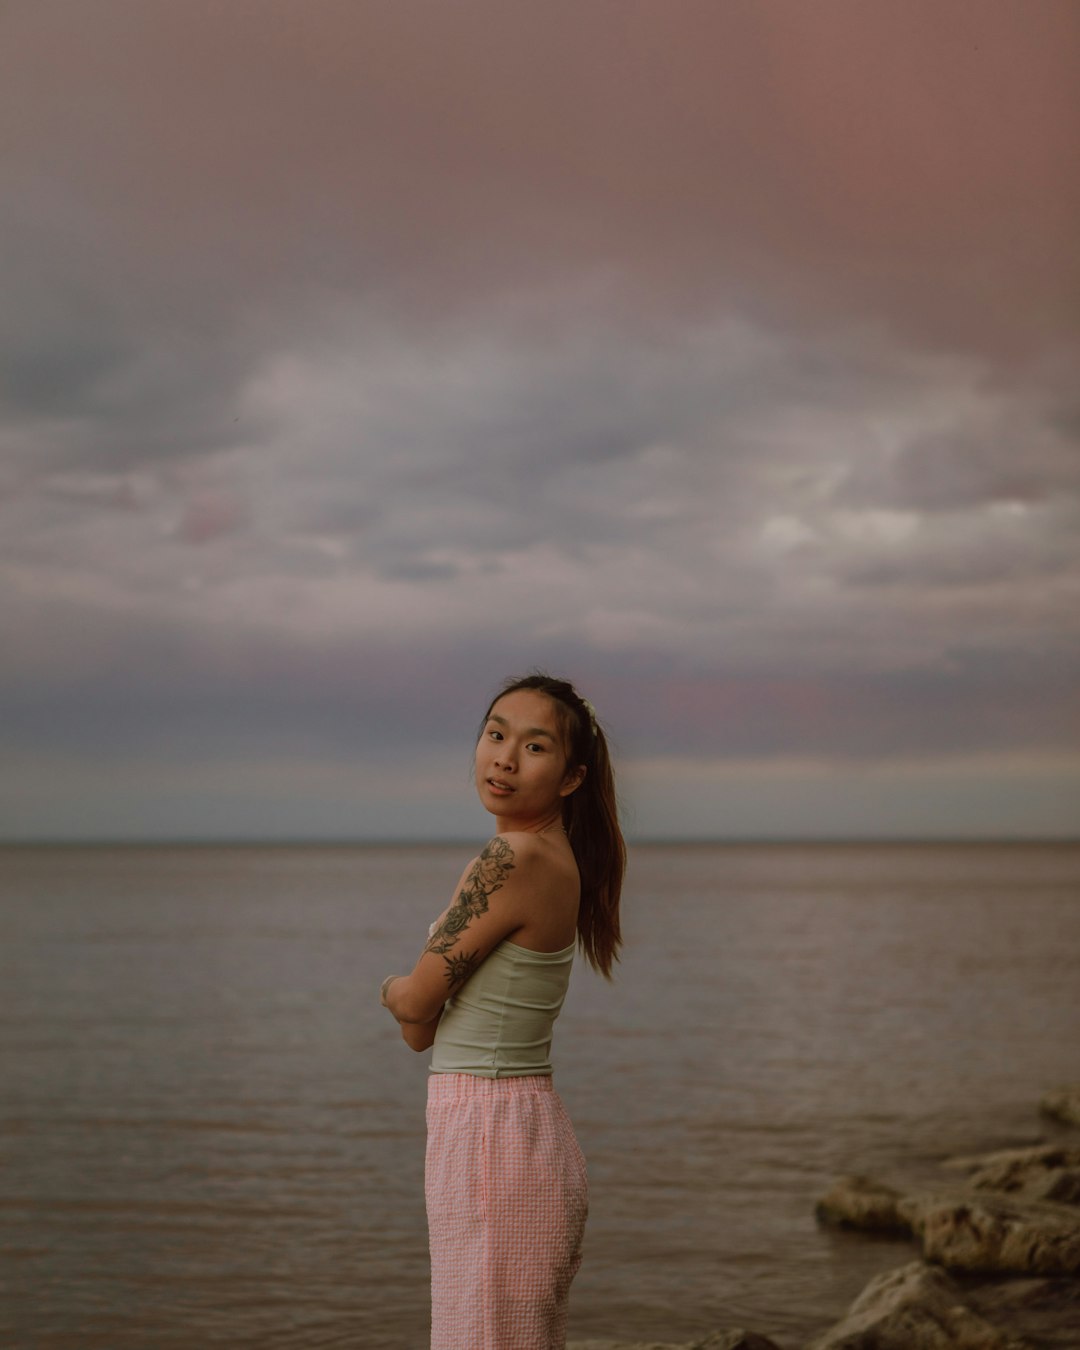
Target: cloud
[
  {"x": 355, "y": 358},
  {"x": 484, "y": 491}
]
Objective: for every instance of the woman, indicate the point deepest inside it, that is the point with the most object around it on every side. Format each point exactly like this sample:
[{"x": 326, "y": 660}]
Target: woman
[{"x": 505, "y": 1180}]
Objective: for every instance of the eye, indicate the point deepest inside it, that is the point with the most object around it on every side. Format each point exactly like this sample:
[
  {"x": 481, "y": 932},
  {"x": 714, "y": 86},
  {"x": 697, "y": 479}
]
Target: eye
[
  {"x": 495, "y": 735},
  {"x": 534, "y": 746}
]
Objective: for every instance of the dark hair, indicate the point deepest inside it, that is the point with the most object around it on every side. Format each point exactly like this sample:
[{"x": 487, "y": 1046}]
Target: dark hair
[{"x": 590, "y": 817}]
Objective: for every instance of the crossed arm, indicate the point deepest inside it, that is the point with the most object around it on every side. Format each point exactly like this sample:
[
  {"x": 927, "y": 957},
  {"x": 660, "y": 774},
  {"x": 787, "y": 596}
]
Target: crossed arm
[{"x": 462, "y": 937}]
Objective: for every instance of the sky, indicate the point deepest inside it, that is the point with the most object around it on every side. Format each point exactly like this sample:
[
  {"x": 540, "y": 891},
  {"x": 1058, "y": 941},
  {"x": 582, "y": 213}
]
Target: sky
[{"x": 722, "y": 358}]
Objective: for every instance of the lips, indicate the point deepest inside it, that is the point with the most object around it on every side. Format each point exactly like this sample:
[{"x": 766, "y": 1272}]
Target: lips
[{"x": 497, "y": 785}]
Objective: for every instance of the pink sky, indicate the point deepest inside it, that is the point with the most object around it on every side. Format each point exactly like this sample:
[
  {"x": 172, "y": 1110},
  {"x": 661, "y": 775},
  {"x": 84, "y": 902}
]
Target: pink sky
[{"x": 722, "y": 357}]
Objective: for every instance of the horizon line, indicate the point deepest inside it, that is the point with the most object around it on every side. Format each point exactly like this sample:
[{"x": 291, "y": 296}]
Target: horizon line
[{"x": 448, "y": 841}]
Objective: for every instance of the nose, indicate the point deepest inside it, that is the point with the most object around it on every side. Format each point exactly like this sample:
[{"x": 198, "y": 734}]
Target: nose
[{"x": 503, "y": 759}]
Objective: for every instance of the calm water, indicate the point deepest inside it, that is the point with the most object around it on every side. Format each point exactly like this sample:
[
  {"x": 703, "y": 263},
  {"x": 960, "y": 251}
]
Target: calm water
[{"x": 210, "y": 1133}]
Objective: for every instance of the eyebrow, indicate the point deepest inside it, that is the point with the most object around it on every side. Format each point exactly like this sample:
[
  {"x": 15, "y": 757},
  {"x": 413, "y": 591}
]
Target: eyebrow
[{"x": 532, "y": 731}]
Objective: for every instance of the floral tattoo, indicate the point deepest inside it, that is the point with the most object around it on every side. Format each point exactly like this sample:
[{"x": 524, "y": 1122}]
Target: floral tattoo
[{"x": 485, "y": 877}]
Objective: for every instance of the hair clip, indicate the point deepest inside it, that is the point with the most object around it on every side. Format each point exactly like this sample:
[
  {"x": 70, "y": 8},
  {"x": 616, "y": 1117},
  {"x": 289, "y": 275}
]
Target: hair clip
[{"x": 592, "y": 713}]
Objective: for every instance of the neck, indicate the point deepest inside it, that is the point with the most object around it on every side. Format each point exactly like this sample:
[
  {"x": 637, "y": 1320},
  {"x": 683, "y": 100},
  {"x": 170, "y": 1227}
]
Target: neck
[{"x": 549, "y": 824}]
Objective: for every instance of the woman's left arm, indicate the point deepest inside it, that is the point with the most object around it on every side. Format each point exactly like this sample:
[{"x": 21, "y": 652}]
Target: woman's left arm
[{"x": 420, "y": 1035}]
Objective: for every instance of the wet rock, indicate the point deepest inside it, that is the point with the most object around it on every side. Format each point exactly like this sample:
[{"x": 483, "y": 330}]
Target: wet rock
[
  {"x": 736, "y": 1339},
  {"x": 1001, "y": 1249},
  {"x": 860, "y": 1202},
  {"x": 625, "y": 1345},
  {"x": 1046, "y": 1172},
  {"x": 1045, "y": 1313},
  {"x": 992, "y": 1235},
  {"x": 1062, "y": 1104},
  {"x": 975, "y": 1232},
  {"x": 913, "y": 1308},
  {"x": 1062, "y": 1186}
]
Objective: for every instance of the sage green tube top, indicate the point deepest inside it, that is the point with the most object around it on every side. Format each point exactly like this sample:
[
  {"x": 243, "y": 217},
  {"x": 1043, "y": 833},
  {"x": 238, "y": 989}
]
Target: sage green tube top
[{"x": 499, "y": 1023}]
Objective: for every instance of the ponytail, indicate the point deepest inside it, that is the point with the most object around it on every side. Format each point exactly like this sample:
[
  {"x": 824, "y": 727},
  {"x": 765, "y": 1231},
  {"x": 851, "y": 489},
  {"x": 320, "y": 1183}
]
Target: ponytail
[{"x": 590, "y": 818}]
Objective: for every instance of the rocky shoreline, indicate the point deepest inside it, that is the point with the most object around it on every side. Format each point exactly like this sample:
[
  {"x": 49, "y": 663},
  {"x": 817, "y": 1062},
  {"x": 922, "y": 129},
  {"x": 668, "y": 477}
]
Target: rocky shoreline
[{"x": 999, "y": 1263}]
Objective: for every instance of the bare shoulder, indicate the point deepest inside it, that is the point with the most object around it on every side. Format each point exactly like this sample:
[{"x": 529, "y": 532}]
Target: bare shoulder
[
  {"x": 540, "y": 865},
  {"x": 543, "y": 890},
  {"x": 530, "y": 856},
  {"x": 521, "y": 845}
]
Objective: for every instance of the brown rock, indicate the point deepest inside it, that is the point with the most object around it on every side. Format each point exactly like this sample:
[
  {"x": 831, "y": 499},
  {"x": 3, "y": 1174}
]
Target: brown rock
[
  {"x": 913, "y": 1308},
  {"x": 860, "y": 1202},
  {"x": 974, "y": 1232},
  {"x": 1039, "y": 1153},
  {"x": 1062, "y": 1104},
  {"x": 988, "y": 1234},
  {"x": 736, "y": 1339},
  {"x": 626, "y": 1345},
  {"x": 1049, "y": 1172},
  {"x": 1045, "y": 1313}
]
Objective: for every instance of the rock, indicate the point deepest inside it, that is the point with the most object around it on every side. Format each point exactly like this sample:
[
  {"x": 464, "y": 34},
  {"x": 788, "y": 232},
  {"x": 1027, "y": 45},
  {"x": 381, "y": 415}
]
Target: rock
[
  {"x": 988, "y": 1234},
  {"x": 1062, "y": 1104},
  {"x": 913, "y": 1308},
  {"x": 736, "y": 1339},
  {"x": 999, "y": 1157},
  {"x": 626, "y": 1345},
  {"x": 1008, "y": 1231},
  {"x": 1047, "y": 1172},
  {"x": 1045, "y": 1313},
  {"x": 1062, "y": 1186},
  {"x": 974, "y": 1232},
  {"x": 860, "y": 1202}
]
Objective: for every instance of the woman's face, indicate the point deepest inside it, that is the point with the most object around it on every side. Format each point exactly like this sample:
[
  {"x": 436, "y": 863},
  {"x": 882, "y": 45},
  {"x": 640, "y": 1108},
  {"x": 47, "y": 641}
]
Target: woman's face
[{"x": 521, "y": 768}]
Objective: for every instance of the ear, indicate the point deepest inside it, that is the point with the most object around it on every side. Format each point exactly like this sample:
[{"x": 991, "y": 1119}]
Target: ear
[{"x": 573, "y": 780}]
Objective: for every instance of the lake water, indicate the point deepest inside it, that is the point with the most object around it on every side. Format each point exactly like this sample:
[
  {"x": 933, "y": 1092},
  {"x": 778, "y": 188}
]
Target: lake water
[{"x": 210, "y": 1133}]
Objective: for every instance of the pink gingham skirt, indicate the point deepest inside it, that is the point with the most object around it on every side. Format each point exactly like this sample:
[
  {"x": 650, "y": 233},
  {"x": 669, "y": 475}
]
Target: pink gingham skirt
[{"x": 507, "y": 1197}]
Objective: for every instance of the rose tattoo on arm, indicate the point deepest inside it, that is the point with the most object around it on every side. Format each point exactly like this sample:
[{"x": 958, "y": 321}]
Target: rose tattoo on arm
[{"x": 486, "y": 876}]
